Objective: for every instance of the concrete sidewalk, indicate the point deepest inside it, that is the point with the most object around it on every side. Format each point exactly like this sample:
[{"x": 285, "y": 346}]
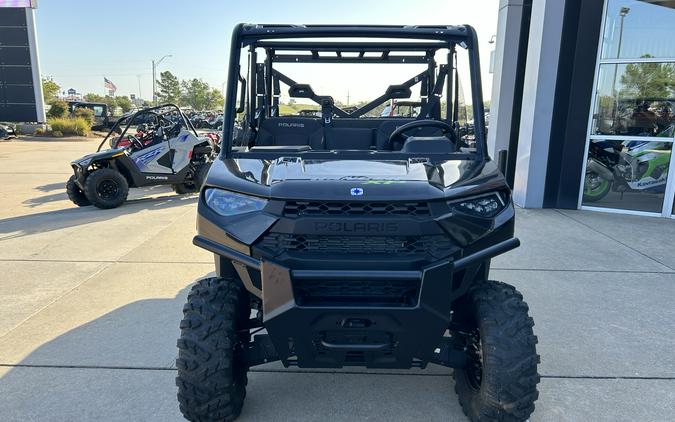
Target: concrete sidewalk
[{"x": 90, "y": 302}]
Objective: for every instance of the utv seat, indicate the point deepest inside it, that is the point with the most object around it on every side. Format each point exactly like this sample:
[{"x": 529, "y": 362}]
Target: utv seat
[
  {"x": 291, "y": 131},
  {"x": 349, "y": 138}
]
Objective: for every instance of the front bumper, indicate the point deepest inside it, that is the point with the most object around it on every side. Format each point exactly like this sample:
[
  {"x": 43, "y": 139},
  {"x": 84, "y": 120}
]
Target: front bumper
[{"x": 320, "y": 330}]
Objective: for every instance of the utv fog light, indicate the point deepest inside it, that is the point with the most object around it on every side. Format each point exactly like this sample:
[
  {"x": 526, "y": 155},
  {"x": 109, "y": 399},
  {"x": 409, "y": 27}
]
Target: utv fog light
[
  {"x": 482, "y": 206},
  {"x": 228, "y": 204}
]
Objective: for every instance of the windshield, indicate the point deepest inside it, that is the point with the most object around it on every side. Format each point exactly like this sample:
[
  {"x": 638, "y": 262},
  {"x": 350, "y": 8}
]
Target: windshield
[{"x": 305, "y": 95}]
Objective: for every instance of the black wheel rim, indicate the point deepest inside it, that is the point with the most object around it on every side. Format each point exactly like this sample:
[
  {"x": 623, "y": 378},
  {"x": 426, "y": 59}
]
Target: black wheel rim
[
  {"x": 107, "y": 189},
  {"x": 474, "y": 359}
]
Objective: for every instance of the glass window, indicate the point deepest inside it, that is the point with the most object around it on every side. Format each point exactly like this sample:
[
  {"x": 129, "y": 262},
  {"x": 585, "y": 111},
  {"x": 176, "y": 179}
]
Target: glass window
[
  {"x": 628, "y": 175},
  {"x": 639, "y": 28},
  {"x": 98, "y": 111},
  {"x": 636, "y": 99}
]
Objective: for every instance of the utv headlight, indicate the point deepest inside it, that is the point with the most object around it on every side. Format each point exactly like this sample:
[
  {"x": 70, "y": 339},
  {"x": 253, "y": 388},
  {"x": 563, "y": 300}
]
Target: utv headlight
[
  {"x": 228, "y": 203},
  {"x": 480, "y": 206}
]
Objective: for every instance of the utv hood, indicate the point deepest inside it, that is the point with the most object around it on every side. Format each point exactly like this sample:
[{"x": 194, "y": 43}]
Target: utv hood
[
  {"x": 289, "y": 177},
  {"x": 96, "y": 156}
]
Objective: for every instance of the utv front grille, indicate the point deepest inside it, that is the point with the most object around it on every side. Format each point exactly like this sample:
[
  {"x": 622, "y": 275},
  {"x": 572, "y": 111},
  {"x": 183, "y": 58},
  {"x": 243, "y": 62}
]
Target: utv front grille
[
  {"x": 396, "y": 293},
  {"x": 436, "y": 245},
  {"x": 304, "y": 208}
]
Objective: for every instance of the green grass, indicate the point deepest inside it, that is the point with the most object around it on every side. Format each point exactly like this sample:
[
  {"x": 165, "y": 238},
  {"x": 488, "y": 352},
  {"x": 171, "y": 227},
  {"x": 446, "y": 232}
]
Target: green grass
[{"x": 290, "y": 109}]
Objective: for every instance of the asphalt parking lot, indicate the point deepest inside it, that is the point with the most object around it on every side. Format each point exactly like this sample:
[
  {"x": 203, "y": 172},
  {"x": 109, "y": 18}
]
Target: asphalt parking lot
[{"x": 90, "y": 302}]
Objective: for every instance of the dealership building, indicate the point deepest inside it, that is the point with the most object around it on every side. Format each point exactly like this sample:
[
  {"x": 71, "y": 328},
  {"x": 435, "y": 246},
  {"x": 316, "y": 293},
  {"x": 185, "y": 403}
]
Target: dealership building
[{"x": 583, "y": 103}]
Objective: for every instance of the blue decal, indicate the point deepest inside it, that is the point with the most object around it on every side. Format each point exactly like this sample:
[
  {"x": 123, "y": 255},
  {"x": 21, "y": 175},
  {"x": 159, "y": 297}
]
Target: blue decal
[
  {"x": 356, "y": 191},
  {"x": 148, "y": 156}
]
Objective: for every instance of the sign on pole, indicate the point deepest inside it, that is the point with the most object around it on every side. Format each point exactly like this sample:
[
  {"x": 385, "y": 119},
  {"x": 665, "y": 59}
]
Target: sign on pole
[{"x": 20, "y": 83}]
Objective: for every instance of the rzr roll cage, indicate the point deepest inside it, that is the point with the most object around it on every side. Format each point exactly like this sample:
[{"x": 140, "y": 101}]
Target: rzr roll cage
[
  {"x": 159, "y": 112},
  {"x": 258, "y": 98}
]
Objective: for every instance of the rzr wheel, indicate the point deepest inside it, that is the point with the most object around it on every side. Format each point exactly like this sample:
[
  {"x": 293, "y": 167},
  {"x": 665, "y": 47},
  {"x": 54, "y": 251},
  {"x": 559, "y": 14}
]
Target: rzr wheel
[
  {"x": 211, "y": 371},
  {"x": 106, "y": 188},
  {"x": 500, "y": 380},
  {"x": 196, "y": 184},
  {"x": 75, "y": 194}
]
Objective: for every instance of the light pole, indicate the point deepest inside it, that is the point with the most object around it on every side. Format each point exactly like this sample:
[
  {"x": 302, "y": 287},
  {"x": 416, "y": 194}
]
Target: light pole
[
  {"x": 623, "y": 12},
  {"x": 156, "y": 63}
]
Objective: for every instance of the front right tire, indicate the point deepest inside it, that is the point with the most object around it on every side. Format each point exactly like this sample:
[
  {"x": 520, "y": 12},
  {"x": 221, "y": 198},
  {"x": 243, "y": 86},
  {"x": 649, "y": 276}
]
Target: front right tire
[
  {"x": 75, "y": 194},
  {"x": 211, "y": 370},
  {"x": 499, "y": 382}
]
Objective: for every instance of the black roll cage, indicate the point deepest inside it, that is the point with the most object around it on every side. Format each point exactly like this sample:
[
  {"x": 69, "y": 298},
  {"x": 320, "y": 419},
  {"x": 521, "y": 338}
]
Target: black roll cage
[{"x": 278, "y": 43}]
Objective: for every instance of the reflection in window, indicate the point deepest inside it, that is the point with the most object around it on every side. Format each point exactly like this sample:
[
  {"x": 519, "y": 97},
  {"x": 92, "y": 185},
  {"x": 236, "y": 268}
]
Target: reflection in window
[
  {"x": 628, "y": 175},
  {"x": 636, "y": 99},
  {"x": 635, "y": 28}
]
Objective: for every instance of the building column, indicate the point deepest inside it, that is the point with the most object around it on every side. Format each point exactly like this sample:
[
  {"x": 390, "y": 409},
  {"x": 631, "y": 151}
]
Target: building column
[
  {"x": 504, "y": 76},
  {"x": 539, "y": 86}
]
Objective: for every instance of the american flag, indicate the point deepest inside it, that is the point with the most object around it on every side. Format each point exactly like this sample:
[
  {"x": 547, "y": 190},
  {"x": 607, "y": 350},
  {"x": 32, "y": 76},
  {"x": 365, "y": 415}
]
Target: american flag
[{"x": 107, "y": 83}]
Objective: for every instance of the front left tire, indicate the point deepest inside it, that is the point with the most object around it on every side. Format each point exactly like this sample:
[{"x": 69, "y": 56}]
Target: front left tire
[
  {"x": 212, "y": 374},
  {"x": 106, "y": 188}
]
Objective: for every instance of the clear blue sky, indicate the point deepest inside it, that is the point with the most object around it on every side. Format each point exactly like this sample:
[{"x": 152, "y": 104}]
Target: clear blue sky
[{"x": 80, "y": 41}]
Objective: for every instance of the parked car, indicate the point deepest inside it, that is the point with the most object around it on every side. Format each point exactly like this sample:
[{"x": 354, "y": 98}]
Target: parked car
[{"x": 102, "y": 114}]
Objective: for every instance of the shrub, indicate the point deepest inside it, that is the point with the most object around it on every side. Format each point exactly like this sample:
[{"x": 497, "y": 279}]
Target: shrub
[
  {"x": 58, "y": 109},
  {"x": 70, "y": 126},
  {"x": 57, "y": 134},
  {"x": 85, "y": 113},
  {"x": 39, "y": 132}
]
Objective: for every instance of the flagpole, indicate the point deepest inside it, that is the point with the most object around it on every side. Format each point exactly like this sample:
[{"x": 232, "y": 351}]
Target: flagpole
[{"x": 154, "y": 77}]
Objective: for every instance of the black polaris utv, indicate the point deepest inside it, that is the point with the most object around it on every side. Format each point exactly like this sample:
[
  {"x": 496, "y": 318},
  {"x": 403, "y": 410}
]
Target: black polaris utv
[{"x": 352, "y": 239}]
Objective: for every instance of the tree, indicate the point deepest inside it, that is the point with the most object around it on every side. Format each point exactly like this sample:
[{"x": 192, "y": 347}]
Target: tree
[
  {"x": 648, "y": 80},
  {"x": 196, "y": 94},
  {"x": 49, "y": 90},
  {"x": 124, "y": 103},
  {"x": 216, "y": 99},
  {"x": 58, "y": 109},
  {"x": 168, "y": 88},
  {"x": 94, "y": 98}
]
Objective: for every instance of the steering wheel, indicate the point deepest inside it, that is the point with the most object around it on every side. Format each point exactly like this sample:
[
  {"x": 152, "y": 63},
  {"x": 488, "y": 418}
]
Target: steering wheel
[
  {"x": 398, "y": 136},
  {"x": 135, "y": 142}
]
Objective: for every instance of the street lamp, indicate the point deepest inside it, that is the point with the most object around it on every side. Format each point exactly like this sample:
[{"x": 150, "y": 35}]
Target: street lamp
[
  {"x": 156, "y": 63},
  {"x": 622, "y": 13}
]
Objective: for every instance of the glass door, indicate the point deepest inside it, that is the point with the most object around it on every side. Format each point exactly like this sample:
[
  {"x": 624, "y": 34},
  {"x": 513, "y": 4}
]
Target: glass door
[{"x": 628, "y": 166}]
